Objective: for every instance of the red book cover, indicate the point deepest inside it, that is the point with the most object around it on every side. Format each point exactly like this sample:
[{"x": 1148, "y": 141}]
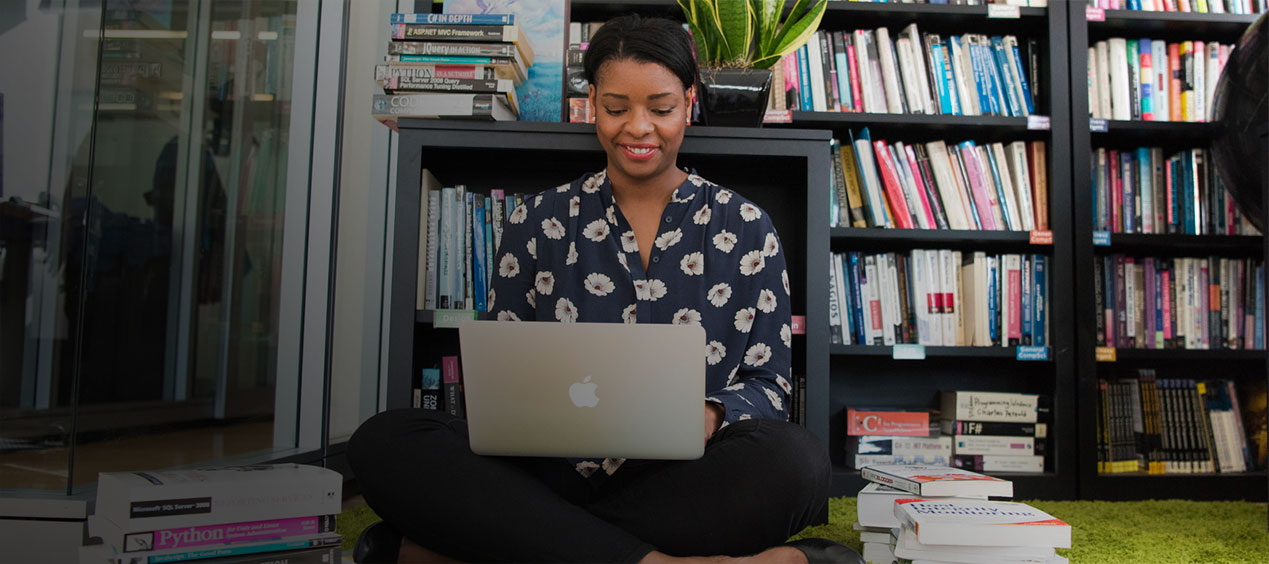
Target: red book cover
[
  {"x": 918, "y": 185},
  {"x": 856, "y": 90},
  {"x": 1174, "y": 85},
  {"x": 890, "y": 179},
  {"x": 1015, "y": 303},
  {"x": 889, "y": 423},
  {"x": 1116, "y": 193},
  {"x": 982, "y": 200}
]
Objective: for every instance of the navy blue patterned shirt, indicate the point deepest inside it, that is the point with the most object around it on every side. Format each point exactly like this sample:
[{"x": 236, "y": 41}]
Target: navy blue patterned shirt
[{"x": 568, "y": 254}]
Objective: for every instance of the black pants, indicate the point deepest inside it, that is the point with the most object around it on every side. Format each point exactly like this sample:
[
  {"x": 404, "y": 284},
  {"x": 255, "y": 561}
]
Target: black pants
[{"x": 759, "y": 482}]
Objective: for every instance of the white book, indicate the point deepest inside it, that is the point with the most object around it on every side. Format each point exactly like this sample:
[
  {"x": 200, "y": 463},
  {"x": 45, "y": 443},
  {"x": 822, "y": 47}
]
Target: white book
[
  {"x": 924, "y": 75},
  {"x": 1094, "y": 96},
  {"x": 878, "y": 553},
  {"x": 910, "y": 188},
  {"x": 877, "y": 537},
  {"x": 989, "y": 406},
  {"x": 918, "y": 276},
  {"x": 1213, "y": 68},
  {"x": 872, "y": 302},
  {"x": 1103, "y": 79},
  {"x": 429, "y": 202},
  {"x": 815, "y": 63},
  {"x": 1162, "y": 80},
  {"x": 890, "y": 297},
  {"x": 963, "y": 522},
  {"x": 1120, "y": 97},
  {"x": 962, "y": 70},
  {"x": 1016, "y": 159},
  {"x": 446, "y": 250},
  {"x": 870, "y": 103},
  {"x": 907, "y": 546},
  {"x": 907, "y": 70},
  {"x": 176, "y": 498},
  {"x": 875, "y": 505},
  {"x": 1006, "y": 182},
  {"x": 1010, "y": 44},
  {"x": 994, "y": 445},
  {"x": 974, "y": 298},
  {"x": 1008, "y": 463},
  {"x": 949, "y": 192},
  {"x": 934, "y": 290},
  {"x": 936, "y": 481},
  {"x": 889, "y": 72},
  {"x": 947, "y": 285},
  {"x": 1199, "y": 107},
  {"x": 835, "y": 305},
  {"x": 958, "y": 301}
]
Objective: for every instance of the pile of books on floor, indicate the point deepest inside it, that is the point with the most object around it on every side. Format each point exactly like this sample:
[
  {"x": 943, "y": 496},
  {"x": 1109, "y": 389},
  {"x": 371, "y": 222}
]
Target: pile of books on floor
[
  {"x": 240, "y": 514},
  {"x": 942, "y": 514},
  {"x": 452, "y": 66},
  {"x": 978, "y": 431}
]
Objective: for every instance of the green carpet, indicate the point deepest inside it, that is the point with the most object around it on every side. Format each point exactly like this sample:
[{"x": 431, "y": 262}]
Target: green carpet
[{"x": 1156, "y": 532}]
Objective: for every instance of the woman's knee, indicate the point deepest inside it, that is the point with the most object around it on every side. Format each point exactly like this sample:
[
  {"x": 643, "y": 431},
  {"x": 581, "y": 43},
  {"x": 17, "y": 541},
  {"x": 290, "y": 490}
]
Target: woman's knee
[{"x": 385, "y": 433}]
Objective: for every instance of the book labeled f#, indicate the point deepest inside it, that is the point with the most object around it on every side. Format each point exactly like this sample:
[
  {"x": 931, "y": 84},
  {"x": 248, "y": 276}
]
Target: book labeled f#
[
  {"x": 138, "y": 501},
  {"x": 962, "y": 522},
  {"x": 937, "y": 480}
]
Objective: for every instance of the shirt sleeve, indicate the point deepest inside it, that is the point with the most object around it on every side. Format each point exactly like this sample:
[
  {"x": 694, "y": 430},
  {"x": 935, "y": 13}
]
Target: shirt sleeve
[
  {"x": 512, "y": 296},
  {"x": 759, "y": 387}
]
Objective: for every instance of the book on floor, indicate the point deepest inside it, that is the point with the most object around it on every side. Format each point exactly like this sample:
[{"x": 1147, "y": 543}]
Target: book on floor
[
  {"x": 875, "y": 506},
  {"x": 937, "y": 480},
  {"x": 964, "y": 522}
]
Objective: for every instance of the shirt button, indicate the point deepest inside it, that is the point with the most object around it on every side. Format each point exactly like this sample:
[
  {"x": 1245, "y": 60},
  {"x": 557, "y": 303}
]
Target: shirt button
[
  {"x": 656, "y": 259},
  {"x": 668, "y": 219}
]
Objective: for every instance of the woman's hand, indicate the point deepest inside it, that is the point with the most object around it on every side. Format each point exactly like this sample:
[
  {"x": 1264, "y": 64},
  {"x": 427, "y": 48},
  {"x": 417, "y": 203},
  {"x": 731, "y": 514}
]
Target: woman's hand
[{"x": 713, "y": 418}]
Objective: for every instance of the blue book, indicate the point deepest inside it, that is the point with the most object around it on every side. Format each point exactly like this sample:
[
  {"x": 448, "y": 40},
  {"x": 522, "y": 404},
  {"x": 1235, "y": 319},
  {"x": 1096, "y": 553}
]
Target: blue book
[
  {"x": 843, "y": 74},
  {"x": 479, "y": 291},
  {"x": 1145, "y": 184},
  {"x": 806, "y": 103},
  {"x": 1147, "y": 88},
  {"x": 848, "y": 316},
  {"x": 982, "y": 82},
  {"x": 946, "y": 91},
  {"x": 1187, "y": 188},
  {"x": 1040, "y": 299},
  {"x": 1022, "y": 74},
  {"x": 856, "y": 279},
  {"x": 1158, "y": 305},
  {"x": 995, "y": 89},
  {"x": 993, "y": 307},
  {"x": 1027, "y": 291},
  {"x": 1127, "y": 177},
  {"x": 453, "y": 19},
  {"x": 491, "y": 248},
  {"x": 545, "y": 22},
  {"x": 1001, "y": 70}
]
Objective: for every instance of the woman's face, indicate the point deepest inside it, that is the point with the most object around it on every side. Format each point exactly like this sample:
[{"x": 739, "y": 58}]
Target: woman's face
[{"x": 641, "y": 111}]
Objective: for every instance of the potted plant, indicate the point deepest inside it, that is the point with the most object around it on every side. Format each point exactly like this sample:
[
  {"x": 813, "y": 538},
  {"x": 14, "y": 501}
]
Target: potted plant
[{"x": 737, "y": 43}]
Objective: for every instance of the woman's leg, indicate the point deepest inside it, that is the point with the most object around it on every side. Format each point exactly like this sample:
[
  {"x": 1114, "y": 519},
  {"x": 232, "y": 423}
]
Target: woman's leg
[
  {"x": 418, "y": 473},
  {"x": 759, "y": 482}
]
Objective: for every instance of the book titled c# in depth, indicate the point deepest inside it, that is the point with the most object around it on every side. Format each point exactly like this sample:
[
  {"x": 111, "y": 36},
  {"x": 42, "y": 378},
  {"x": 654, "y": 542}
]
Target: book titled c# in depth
[{"x": 936, "y": 481}]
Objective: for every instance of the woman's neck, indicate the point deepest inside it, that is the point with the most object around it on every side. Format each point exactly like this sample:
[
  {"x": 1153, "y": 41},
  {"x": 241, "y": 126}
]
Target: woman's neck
[{"x": 653, "y": 191}]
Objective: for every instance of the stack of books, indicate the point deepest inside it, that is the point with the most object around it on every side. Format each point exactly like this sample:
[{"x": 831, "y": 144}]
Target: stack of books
[
  {"x": 979, "y": 532},
  {"x": 880, "y": 436},
  {"x": 995, "y": 431},
  {"x": 576, "y": 87},
  {"x": 452, "y": 66},
  {"x": 901, "y": 72},
  {"x": 939, "y": 297},
  {"x": 939, "y": 185},
  {"x": 1152, "y": 80},
  {"x": 244, "y": 513}
]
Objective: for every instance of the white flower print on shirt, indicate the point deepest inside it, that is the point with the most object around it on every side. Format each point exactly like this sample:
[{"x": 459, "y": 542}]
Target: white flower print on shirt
[
  {"x": 679, "y": 200},
  {"x": 656, "y": 290},
  {"x": 621, "y": 258},
  {"x": 695, "y": 180},
  {"x": 508, "y": 267},
  {"x": 719, "y": 294},
  {"x": 544, "y": 282},
  {"x": 643, "y": 290},
  {"x": 758, "y": 355},
  {"x": 490, "y": 305},
  {"x": 669, "y": 239},
  {"x": 571, "y": 259},
  {"x": 611, "y": 214},
  {"x": 776, "y": 402},
  {"x": 784, "y": 384},
  {"x": 693, "y": 264},
  {"x": 532, "y": 298},
  {"x": 731, "y": 378},
  {"x": 596, "y": 230},
  {"x": 686, "y": 316},
  {"x": 770, "y": 246},
  {"x": 537, "y": 201},
  {"x": 599, "y": 284},
  {"x": 723, "y": 196},
  {"x": 702, "y": 216},
  {"x": 565, "y": 311},
  {"x": 735, "y": 387},
  {"x": 752, "y": 263},
  {"x": 786, "y": 335},
  {"x": 628, "y": 314},
  {"x": 532, "y": 246},
  {"x": 714, "y": 352},
  {"x": 744, "y": 319},
  {"x": 749, "y": 212},
  {"x": 574, "y": 206},
  {"x": 725, "y": 241},
  {"x": 628, "y": 242},
  {"x": 506, "y": 315},
  {"x": 552, "y": 228},
  {"x": 592, "y": 184},
  {"x": 518, "y": 214},
  {"x": 784, "y": 276},
  {"x": 586, "y": 468},
  {"x": 563, "y": 187},
  {"x": 766, "y": 301}
]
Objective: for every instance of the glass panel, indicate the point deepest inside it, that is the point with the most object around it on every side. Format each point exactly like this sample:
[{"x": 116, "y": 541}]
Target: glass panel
[{"x": 165, "y": 241}]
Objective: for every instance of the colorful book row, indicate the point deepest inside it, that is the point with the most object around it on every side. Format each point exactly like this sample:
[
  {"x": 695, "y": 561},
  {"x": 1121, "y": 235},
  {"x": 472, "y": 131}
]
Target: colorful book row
[
  {"x": 1142, "y": 191},
  {"x": 875, "y": 71},
  {"x": 939, "y": 298},
  {"x": 936, "y": 185},
  {"x": 1175, "y": 426},
  {"x": 1179, "y": 303},
  {"x": 1151, "y": 80},
  {"x": 1197, "y": 6}
]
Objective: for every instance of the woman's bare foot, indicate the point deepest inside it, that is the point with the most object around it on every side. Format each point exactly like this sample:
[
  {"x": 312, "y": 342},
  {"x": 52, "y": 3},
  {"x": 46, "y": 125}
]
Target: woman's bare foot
[{"x": 412, "y": 553}]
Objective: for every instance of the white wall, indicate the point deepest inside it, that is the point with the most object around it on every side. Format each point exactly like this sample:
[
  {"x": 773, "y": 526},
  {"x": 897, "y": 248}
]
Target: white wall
[{"x": 28, "y": 73}]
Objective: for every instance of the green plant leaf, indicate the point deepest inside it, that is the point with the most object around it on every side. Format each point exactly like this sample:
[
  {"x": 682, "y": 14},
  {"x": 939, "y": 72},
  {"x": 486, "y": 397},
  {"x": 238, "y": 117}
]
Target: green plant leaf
[
  {"x": 793, "y": 34},
  {"x": 736, "y": 23},
  {"x": 767, "y": 13}
]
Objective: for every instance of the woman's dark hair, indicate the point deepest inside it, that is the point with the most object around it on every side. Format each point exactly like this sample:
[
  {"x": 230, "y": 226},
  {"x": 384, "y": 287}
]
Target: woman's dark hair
[{"x": 644, "y": 40}]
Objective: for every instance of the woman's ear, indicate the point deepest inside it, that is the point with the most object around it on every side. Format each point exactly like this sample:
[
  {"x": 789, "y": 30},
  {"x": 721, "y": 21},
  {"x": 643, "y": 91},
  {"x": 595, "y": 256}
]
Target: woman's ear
[{"x": 590, "y": 93}]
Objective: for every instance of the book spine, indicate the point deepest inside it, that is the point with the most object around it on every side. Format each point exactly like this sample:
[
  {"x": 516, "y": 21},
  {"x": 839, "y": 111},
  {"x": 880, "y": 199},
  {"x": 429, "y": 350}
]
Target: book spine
[
  {"x": 459, "y": 32},
  {"x": 464, "y": 49},
  {"x": 178, "y": 538},
  {"x": 245, "y": 549},
  {"x": 479, "y": 291},
  {"x": 452, "y": 19},
  {"x": 452, "y": 386}
]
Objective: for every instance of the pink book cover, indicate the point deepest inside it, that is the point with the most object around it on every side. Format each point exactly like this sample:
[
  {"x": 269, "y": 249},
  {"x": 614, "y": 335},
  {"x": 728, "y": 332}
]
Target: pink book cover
[
  {"x": 1015, "y": 305},
  {"x": 890, "y": 181},
  {"x": 187, "y": 537},
  {"x": 856, "y": 90},
  {"x": 917, "y": 184},
  {"x": 1166, "y": 290},
  {"x": 974, "y": 170}
]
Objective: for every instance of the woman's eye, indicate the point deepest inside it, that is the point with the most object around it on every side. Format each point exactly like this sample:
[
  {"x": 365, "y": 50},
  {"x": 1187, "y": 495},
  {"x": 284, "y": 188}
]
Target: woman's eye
[
  {"x": 615, "y": 111},
  {"x": 663, "y": 111}
]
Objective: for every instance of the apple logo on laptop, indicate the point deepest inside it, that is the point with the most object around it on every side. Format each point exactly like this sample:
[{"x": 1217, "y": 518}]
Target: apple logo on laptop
[{"x": 583, "y": 393}]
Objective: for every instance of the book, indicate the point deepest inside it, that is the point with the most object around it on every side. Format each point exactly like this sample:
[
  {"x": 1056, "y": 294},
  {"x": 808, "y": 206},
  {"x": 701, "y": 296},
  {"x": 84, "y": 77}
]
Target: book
[
  {"x": 388, "y": 108},
  {"x": 995, "y": 445},
  {"x": 875, "y": 505},
  {"x": 887, "y": 422},
  {"x": 188, "y": 537},
  {"x": 907, "y": 546},
  {"x": 453, "y": 19},
  {"x": 185, "y": 498},
  {"x": 452, "y": 386},
  {"x": 429, "y": 200},
  {"x": 899, "y": 446},
  {"x": 989, "y": 406},
  {"x": 306, "y": 547},
  {"x": 961, "y": 427},
  {"x": 999, "y": 463},
  {"x": 937, "y": 481},
  {"x": 467, "y": 33},
  {"x": 961, "y": 522},
  {"x": 430, "y": 389},
  {"x": 461, "y": 48}
]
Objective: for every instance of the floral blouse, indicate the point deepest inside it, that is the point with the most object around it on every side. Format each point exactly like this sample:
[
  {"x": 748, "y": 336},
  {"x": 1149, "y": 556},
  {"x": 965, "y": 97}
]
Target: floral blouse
[{"x": 568, "y": 254}]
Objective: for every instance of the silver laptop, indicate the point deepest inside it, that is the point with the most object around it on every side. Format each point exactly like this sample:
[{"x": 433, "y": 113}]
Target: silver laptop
[{"x": 584, "y": 390}]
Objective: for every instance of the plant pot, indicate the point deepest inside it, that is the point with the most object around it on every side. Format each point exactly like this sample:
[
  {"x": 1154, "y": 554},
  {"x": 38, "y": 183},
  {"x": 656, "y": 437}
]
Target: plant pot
[{"x": 734, "y": 97}]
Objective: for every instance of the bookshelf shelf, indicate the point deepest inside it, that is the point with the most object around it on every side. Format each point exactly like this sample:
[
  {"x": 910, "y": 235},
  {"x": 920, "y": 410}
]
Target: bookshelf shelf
[
  {"x": 1203, "y": 355},
  {"x": 1139, "y": 130},
  {"x": 887, "y": 351},
  {"x": 1181, "y": 245},
  {"x": 1137, "y": 22},
  {"x": 919, "y": 126},
  {"x": 871, "y": 238}
]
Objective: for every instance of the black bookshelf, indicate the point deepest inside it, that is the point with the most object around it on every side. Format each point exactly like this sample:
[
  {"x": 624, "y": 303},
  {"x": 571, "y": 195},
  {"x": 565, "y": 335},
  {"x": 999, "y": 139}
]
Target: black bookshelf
[{"x": 1087, "y": 135}]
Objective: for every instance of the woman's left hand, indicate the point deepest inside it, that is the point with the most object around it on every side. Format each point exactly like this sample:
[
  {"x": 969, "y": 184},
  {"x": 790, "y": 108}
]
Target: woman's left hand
[{"x": 713, "y": 418}]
